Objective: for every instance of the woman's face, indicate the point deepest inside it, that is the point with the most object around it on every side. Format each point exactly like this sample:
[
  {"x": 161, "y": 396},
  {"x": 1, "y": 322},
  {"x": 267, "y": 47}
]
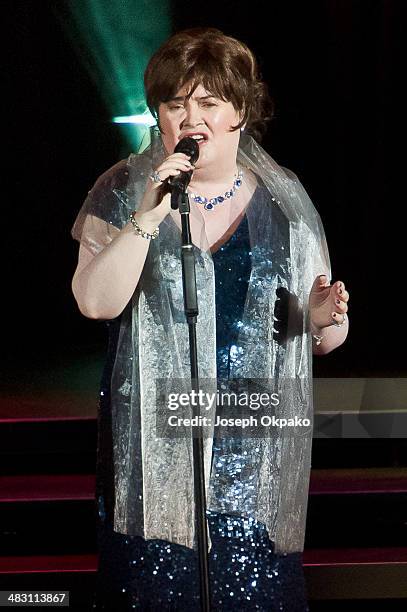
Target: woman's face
[{"x": 201, "y": 115}]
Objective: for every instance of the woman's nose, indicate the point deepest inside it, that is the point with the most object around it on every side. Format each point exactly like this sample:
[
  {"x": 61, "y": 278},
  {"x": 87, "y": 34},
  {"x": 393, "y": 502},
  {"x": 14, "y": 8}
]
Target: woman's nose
[{"x": 193, "y": 115}]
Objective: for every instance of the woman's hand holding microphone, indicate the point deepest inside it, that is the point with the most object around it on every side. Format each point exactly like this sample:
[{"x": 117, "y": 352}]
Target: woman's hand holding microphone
[{"x": 156, "y": 203}]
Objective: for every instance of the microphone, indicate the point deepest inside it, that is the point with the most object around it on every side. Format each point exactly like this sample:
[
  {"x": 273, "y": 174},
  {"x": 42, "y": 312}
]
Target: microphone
[{"x": 189, "y": 146}]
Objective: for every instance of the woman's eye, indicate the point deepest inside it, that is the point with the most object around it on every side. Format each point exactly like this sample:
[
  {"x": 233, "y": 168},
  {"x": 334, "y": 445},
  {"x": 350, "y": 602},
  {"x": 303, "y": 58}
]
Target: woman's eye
[{"x": 181, "y": 106}]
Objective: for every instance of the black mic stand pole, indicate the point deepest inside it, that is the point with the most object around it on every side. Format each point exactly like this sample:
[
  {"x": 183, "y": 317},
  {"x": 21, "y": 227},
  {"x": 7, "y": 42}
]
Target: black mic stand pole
[{"x": 179, "y": 199}]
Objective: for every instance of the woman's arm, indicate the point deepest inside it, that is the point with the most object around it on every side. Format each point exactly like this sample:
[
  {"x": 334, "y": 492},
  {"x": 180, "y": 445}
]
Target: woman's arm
[{"x": 104, "y": 283}]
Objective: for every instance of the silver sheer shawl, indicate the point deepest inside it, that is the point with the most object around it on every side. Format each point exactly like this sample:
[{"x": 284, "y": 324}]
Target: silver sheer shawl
[{"x": 154, "y": 474}]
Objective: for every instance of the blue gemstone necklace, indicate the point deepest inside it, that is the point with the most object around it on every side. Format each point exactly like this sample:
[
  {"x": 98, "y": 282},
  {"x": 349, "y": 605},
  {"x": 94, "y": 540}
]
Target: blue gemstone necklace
[{"x": 209, "y": 204}]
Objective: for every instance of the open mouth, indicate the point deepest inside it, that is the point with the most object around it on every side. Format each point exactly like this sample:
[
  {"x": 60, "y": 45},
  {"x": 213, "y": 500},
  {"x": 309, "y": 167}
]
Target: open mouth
[{"x": 200, "y": 138}]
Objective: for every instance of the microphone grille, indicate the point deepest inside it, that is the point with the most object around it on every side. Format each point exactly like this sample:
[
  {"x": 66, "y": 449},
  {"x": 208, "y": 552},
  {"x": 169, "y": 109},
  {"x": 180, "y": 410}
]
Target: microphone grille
[{"x": 189, "y": 146}]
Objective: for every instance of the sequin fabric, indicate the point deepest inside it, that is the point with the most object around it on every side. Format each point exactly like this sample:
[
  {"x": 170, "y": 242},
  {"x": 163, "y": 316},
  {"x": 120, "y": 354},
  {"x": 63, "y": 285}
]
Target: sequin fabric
[{"x": 245, "y": 572}]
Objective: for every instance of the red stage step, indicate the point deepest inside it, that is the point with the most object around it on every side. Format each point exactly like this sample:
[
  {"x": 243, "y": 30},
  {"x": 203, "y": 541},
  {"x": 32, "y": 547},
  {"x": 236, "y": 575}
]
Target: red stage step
[
  {"x": 44, "y": 487},
  {"x": 315, "y": 557},
  {"x": 47, "y": 487},
  {"x": 45, "y": 564}
]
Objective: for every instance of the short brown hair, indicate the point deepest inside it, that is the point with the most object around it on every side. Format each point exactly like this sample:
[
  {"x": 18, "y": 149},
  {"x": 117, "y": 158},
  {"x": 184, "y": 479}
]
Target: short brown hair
[{"x": 223, "y": 65}]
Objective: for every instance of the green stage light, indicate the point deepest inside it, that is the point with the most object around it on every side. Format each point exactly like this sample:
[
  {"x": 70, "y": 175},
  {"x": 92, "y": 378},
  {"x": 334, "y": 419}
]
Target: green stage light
[
  {"x": 115, "y": 39},
  {"x": 146, "y": 119}
]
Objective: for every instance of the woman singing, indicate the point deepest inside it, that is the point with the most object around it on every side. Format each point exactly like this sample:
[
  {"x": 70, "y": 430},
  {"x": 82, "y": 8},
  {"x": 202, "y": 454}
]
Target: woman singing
[{"x": 265, "y": 306}]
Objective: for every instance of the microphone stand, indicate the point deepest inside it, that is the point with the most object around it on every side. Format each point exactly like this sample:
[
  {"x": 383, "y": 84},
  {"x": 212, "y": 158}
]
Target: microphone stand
[{"x": 179, "y": 199}]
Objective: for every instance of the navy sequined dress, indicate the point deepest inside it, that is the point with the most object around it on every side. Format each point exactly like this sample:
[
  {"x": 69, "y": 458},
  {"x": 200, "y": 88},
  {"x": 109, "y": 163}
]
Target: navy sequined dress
[{"x": 245, "y": 573}]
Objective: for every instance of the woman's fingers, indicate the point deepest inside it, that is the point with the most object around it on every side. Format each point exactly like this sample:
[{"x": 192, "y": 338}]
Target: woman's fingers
[
  {"x": 156, "y": 200},
  {"x": 338, "y": 317},
  {"x": 172, "y": 166},
  {"x": 178, "y": 160},
  {"x": 170, "y": 169},
  {"x": 341, "y": 307},
  {"x": 341, "y": 291},
  {"x": 180, "y": 164}
]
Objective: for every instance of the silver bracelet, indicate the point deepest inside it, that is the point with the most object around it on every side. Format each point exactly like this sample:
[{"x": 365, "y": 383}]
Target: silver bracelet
[
  {"x": 140, "y": 231},
  {"x": 320, "y": 338}
]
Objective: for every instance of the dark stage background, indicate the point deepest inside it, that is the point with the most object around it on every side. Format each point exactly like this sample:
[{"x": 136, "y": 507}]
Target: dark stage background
[{"x": 335, "y": 70}]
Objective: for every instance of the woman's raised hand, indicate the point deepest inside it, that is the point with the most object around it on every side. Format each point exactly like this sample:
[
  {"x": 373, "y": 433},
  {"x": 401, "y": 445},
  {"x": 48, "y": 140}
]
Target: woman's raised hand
[
  {"x": 328, "y": 303},
  {"x": 156, "y": 203}
]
